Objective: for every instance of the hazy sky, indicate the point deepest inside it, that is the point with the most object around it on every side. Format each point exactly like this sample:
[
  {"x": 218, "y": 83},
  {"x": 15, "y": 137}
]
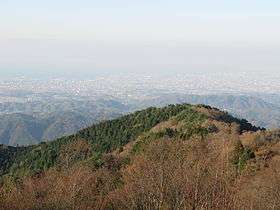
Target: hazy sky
[{"x": 139, "y": 36}]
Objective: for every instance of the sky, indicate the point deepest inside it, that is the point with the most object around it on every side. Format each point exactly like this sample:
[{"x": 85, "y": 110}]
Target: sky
[{"x": 139, "y": 36}]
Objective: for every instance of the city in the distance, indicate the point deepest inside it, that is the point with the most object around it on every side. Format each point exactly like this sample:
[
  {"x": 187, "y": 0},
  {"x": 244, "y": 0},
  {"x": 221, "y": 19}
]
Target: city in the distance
[{"x": 139, "y": 105}]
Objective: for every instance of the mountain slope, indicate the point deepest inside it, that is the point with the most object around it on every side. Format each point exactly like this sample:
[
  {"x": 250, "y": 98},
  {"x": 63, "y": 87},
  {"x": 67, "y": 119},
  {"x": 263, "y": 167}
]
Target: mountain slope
[
  {"x": 22, "y": 129},
  {"x": 110, "y": 135},
  {"x": 176, "y": 157},
  {"x": 62, "y": 117},
  {"x": 255, "y": 110}
]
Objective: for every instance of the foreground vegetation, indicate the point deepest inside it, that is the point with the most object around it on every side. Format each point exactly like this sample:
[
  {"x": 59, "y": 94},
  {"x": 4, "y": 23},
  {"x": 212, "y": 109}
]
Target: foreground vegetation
[{"x": 177, "y": 157}]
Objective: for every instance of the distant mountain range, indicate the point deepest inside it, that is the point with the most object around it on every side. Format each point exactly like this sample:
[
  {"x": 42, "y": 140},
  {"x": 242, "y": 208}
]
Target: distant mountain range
[
  {"x": 57, "y": 121},
  {"x": 34, "y": 122}
]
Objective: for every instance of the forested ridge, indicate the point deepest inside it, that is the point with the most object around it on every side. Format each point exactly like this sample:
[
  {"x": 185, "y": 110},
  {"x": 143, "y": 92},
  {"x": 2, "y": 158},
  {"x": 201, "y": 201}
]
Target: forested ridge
[
  {"x": 103, "y": 137},
  {"x": 176, "y": 157},
  {"x": 38, "y": 121}
]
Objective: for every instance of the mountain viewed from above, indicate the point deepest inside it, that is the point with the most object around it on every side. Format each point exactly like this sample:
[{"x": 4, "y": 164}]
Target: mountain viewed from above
[
  {"x": 139, "y": 105},
  {"x": 105, "y": 164},
  {"x": 33, "y": 122}
]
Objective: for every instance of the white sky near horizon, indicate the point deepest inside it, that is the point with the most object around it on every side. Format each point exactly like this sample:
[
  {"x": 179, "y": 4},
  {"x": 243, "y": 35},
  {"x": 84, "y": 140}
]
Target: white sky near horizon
[{"x": 139, "y": 36}]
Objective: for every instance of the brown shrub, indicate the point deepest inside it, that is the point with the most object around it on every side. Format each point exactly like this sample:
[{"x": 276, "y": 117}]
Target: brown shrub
[{"x": 173, "y": 175}]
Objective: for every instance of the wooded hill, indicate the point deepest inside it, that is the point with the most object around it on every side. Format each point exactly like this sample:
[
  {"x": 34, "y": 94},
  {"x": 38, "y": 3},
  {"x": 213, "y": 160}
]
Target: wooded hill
[{"x": 176, "y": 157}]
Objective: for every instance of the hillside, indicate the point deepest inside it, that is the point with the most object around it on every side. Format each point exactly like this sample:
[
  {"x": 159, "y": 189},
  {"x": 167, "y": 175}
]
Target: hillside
[
  {"x": 33, "y": 128},
  {"x": 102, "y": 137},
  {"x": 175, "y": 157},
  {"x": 36, "y": 121},
  {"x": 260, "y": 112}
]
